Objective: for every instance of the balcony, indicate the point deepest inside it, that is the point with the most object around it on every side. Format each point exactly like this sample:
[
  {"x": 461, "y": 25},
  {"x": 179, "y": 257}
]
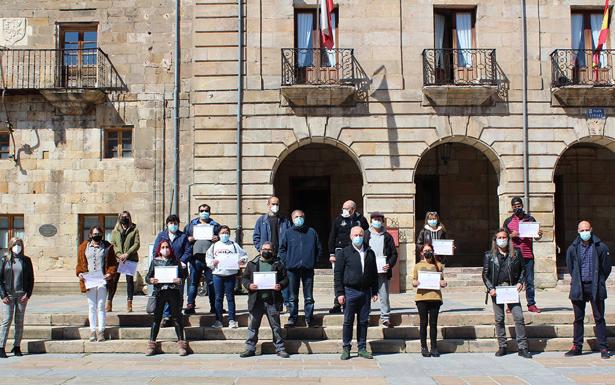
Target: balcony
[
  {"x": 577, "y": 82},
  {"x": 73, "y": 80},
  {"x": 459, "y": 77},
  {"x": 320, "y": 77}
]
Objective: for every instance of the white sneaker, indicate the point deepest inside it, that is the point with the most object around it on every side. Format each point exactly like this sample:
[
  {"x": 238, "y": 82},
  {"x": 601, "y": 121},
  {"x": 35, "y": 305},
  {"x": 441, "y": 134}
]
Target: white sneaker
[
  {"x": 233, "y": 324},
  {"x": 217, "y": 325},
  {"x": 92, "y": 335}
]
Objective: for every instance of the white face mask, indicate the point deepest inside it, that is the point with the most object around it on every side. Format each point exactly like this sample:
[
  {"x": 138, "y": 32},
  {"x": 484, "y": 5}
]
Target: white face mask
[
  {"x": 275, "y": 209},
  {"x": 345, "y": 213},
  {"x": 16, "y": 249},
  {"x": 165, "y": 252}
]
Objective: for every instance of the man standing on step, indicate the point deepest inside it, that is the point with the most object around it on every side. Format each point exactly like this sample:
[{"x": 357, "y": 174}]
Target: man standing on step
[
  {"x": 299, "y": 251},
  {"x": 340, "y": 237},
  {"x": 589, "y": 265},
  {"x": 356, "y": 282},
  {"x": 526, "y": 246},
  {"x": 270, "y": 227}
]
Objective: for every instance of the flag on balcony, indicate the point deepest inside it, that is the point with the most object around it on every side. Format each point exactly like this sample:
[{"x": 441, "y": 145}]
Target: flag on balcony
[
  {"x": 326, "y": 29},
  {"x": 604, "y": 33}
]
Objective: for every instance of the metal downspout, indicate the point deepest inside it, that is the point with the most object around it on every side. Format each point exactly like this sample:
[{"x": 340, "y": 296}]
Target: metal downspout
[
  {"x": 526, "y": 166},
  {"x": 175, "y": 200},
  {"x": 238, "y": 235}
]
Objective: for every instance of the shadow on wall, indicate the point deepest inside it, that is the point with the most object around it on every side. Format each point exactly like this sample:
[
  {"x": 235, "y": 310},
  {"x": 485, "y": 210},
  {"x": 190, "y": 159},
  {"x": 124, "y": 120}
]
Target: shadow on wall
[{"x": 384, "y": 97}]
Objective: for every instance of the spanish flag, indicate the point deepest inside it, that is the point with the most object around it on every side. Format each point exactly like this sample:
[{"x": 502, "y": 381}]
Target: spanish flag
[
  {"x": 326, "y": 30},
  {"x": 604, "y": 32}
]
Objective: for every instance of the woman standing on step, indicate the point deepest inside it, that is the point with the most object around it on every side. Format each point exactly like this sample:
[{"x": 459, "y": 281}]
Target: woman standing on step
[
  {"x": 428, "y": 301},
  {"x": 125, "y": 241},
  {"x": 433, "y": 229},
  {"x": 96, "y": 256},
  {"x": 166, "y": 293},
  {"x": 16, "y": 284}
]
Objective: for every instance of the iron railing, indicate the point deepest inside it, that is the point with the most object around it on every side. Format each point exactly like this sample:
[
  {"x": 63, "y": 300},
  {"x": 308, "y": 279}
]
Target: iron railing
[
  {"x": 319, "y": 66},
  {"x": 40, "y": 69},
  {"x": 582, "y": 67},
  {"x": 449, "y": 66}
]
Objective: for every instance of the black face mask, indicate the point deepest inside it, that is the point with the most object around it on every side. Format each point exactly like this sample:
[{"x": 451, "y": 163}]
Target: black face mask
[
  {"x": 267, "y": 254},
  {"x": 428, "y": 255},
  {"x": 97, "y": 237},
  {"x": 519, "y": 211},
  {"x": 125, "y": 221}
]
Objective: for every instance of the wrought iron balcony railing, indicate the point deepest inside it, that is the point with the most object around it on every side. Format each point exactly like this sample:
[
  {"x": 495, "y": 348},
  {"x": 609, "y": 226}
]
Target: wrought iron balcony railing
[
  {"x": 458, "y": 67},
  {"x": 582, "y": 67},
  {"x": 318, "y": 66},
  {"x": 44, "y": 69}
]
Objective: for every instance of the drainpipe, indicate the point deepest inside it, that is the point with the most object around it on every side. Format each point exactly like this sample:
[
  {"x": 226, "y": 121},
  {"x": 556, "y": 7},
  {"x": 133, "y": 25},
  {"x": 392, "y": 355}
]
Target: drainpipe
[
  {"x": 238, "y": 235},
  {"x": 526, "y": 160},
  {"x": 175, "y": 202}
]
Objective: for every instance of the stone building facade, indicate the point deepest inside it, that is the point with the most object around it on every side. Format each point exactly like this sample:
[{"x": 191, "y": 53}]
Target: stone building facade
[{"x": 429, "y": 118}]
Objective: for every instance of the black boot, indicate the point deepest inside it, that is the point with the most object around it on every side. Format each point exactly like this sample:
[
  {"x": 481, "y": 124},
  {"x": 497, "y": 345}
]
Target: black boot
[
  {"x": 425, "y": 351},
  {"x": 434, "y": 350},
  {"x": 16, "y": 351},
  {"x": 3, "y": 353}
]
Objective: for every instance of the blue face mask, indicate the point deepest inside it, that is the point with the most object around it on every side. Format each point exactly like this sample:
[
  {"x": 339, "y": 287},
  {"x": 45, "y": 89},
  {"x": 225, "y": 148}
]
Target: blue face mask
[
  {"x": 376, "y": 224},
  {"x": 585, "y": 235},
  {"x": 225, "y": 237},
  {"x": 299, "y": 221},
  {"x": 432, "y": 222},
  {"x": 172, "y": 227},
  {"x": 357, "y": 241},
  {"x": 204, "y": 215},
  {"x": 502, "y": 242}
]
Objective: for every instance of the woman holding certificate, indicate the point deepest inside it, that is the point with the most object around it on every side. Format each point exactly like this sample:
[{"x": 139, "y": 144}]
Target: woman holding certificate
[
  {"x": 428, "y": 279},
  {"x": 504, "y": 277},
  {"x": 431, "y": 231},
  {"x": 166, "y": 277},
  {"x": 125, "y": 240},
  {"x": 224, "y": 257}
]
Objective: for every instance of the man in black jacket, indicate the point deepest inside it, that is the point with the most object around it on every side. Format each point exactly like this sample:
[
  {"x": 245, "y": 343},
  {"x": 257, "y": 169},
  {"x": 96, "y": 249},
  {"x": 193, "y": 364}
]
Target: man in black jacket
[
  {"x": 589, "y": 265},
  {"x": 261, "y": 302},
  {"x": 340, "y": 237},
  {"x": 356, "y": 281}
]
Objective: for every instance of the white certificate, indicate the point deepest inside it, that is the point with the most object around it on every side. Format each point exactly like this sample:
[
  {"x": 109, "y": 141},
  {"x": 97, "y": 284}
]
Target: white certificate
[
  {"x": 442, "y": 246},
  {"x": 165, "y": 274},
  {"x": 228, "y": 261},
  {"x": 127, "y": 267},
  {"x": 203, "y": 232},
  {"x": 380, "y": 262},
  {"x": 528, "y": 229},
  {"x": 94, "y": 279},
  {"x": 506, "y": 294},
  {"x": 264, "y": 280},
  {"x": 429, "y": 280}
]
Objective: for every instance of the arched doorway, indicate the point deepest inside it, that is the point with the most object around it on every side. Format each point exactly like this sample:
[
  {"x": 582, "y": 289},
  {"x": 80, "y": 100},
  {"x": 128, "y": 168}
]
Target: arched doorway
[
  {"x": 318, "y": 178},
  {"x": 460, "y": 183},
  {"x": 584, "y": 189}
]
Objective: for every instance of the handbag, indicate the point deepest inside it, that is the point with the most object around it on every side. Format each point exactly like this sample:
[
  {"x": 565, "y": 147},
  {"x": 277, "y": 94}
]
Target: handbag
[{"x": 151, "y": 304}]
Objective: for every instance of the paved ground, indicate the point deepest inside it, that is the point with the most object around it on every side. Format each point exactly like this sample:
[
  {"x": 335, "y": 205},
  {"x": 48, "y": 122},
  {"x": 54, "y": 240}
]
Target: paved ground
[{"x": 451, "y": 369}]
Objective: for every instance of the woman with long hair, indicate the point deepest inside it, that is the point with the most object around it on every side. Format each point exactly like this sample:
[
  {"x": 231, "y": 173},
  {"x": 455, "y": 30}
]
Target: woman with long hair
[
  {"x": 126, "y": 242},
  {"x": 432, "y": 229}
]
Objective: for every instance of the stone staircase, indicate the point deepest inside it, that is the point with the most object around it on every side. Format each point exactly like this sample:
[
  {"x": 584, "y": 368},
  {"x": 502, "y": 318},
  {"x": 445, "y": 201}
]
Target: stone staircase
[{"x": 458, "y": 332}]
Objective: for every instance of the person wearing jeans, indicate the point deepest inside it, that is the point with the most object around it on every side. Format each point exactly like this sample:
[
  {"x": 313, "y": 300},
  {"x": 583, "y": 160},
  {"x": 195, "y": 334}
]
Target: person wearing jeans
[
  {"x": 356, "y": 283},
  {"x": 16, "y": 285},
  {"x": 589, "y": 265},
  {"x": 225, "y": 278},
  {"x": 96, "y": 255},
  {"x": 299, "y": 251},
  {"x": 383, "y": 245}
]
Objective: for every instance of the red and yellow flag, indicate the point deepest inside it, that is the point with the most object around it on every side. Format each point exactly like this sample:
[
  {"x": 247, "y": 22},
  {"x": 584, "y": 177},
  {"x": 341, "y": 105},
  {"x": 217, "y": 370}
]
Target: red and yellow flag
[{"x": 604, "y": 33}]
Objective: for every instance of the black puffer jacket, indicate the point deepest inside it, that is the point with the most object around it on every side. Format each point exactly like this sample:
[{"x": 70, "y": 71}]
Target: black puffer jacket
[{"x": 340, "y": 230}]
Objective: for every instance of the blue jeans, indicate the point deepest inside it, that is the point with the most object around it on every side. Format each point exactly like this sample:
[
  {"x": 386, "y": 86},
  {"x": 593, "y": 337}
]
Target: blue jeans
[
  {"x": 357, "y": 302},
  {"x": 197, "y": 268},
  {"x": 286, "y": 296},
  {"x": 529, "y": 281},
  {"x": 225, "y": 285},
  {"x": 305, "y": 277}
]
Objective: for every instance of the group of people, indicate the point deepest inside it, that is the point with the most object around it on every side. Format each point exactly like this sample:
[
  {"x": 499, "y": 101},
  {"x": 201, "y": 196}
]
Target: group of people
[{"x": 290, "y": 249}]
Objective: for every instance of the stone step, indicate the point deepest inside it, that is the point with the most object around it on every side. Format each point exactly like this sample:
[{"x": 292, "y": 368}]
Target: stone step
[
  {"x": 295, "y": 346},
  {"x": 301, "y": 333}
]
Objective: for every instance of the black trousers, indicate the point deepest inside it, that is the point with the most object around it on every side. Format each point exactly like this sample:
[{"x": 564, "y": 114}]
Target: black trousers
[
  {"x": 579, "y": 316},
  {"x": 428, "y": 313},
  {"x": 172, "y": 297},
  {"x": 130, "y": 286}
]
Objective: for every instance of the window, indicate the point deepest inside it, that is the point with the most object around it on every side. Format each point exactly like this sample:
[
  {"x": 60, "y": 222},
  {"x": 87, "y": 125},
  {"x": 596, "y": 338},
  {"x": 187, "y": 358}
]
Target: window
[
  {"x": 586, "y": 26},
  {"x": 87, "y": 221},
  {"x": 79, "y": 45},
  {"x": 5, "y": 143},
  {"x": 455, "y": 41},
  {"x": 118, "y": 143},
  {"x": 313, "y": 62},
  {"x": 10, "y": 226}
]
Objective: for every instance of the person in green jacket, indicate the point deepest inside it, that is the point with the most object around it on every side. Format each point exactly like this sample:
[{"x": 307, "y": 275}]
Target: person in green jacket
[{"x": 125, "y": 241}]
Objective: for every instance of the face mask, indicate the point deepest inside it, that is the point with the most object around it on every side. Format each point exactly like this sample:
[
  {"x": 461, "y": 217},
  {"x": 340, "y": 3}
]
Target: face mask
[
  {"x": 97, "y": 237},
  {"x": 432, "y": 222},
  {"x": 16, "y": 249},
  {"x": 345, "y": 213},
  {"x": 428, "y": 255},
  {"x": 204, "y": 215},
  {"x": 376, "y": 224},
  {"x": 585, "y": 235},
  {"x": 275, "y": 209},
  {"x": 165, "y": 252},
  {"x": 357, "y": 241},
  {"x": 519, "y": 211},
  {"x": 299, "y": 221},
  {"x": 267, "y": 254},
  {"x": 225, "y": 237},
  {"x": 172, "y": 227},
  {"x": 125, "y": 221},
  {"x": 501, "y": 242}
]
